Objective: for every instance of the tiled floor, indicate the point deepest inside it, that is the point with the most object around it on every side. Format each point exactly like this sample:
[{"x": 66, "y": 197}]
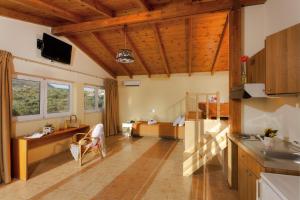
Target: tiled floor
[{"x": 139, "y": 168}]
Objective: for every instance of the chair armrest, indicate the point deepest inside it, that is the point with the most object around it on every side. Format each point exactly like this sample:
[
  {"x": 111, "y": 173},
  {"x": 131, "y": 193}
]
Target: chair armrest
[
  {"x": 84, "y": 141},
  {"x": 74, "y": 137}
]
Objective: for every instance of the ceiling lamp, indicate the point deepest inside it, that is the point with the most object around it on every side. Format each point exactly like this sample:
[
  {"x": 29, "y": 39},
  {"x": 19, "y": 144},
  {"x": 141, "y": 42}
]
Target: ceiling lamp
[{"x": 125, "y": 55}]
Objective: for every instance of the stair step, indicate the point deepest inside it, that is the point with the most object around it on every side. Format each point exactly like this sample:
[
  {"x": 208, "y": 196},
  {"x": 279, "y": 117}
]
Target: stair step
[
  {"x": 212, "y": 147},
  {"x": 209, "y": 138},
  {"x": 199, "y": 163}
]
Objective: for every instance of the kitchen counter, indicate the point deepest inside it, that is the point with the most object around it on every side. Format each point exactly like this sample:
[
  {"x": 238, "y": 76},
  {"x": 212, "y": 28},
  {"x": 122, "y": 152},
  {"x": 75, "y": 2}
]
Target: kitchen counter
[{"x": 256, "y": 150}]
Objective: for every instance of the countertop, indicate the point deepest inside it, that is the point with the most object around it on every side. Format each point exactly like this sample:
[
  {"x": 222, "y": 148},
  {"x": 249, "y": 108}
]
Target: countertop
[
  {"x": 256, "y": 150},
  {"x": 284, "y": 185}
]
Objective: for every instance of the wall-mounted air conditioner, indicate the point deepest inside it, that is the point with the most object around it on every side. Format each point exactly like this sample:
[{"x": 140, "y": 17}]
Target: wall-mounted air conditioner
[{"x": 131, "y": 83}]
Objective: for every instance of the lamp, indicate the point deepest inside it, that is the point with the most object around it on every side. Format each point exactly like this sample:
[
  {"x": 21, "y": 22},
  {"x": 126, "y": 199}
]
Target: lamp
[{"x": 125, "y": 55}]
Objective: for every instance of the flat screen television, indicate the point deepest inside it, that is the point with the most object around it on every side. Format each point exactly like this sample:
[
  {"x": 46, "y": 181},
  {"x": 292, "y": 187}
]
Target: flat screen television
[{"x": 56, "y": 50}]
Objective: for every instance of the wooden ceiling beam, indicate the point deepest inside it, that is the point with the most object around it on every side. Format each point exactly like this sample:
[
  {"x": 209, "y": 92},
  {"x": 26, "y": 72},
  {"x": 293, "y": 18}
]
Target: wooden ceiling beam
[
  {"x": 138, "y": 55},
  {"x": 252, "y": 2},
  {"x": 111, "y": 52},
  {"x": 219, "y": 46},
  {"x": 243, "y": 2},
  {"x": 174, "y": 10},
  {"x": 161, "y": 47},
  {"x": 188, "y": 39},
  {"x": 179, "y": 9},
  {"x": 97, "y": 6},
  {"x": 143, "y": 4},
  {"x": 92, "y": 55},
  {"x": 50, "y": 9},
  {"x": 25, "y": 17}
]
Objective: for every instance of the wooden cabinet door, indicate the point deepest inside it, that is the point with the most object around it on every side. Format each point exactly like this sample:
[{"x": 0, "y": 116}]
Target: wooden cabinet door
[
  {"x": 256, "y": 68},
  {"x": 283, "y": 62},
  {"x": 251, "y": 186},
  {"x": 242, "y": 181}
]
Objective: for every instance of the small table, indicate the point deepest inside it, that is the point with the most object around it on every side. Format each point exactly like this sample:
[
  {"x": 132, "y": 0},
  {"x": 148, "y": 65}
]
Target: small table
[
  {"x": 127, "y": 128},
  {"x": 21, "y": 145}
]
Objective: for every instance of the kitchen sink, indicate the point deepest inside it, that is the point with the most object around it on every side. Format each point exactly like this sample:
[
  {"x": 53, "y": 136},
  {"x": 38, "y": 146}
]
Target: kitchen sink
[{"x": 282, "y": 155}]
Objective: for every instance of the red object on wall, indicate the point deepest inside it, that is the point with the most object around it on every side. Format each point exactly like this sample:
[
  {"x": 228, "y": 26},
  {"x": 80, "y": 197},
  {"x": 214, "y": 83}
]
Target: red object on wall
[{"x": 244, "y": 59}]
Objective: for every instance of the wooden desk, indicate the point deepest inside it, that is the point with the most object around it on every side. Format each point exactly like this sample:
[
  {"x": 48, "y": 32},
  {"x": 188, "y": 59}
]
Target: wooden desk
[{"x": 22, "y": 145}]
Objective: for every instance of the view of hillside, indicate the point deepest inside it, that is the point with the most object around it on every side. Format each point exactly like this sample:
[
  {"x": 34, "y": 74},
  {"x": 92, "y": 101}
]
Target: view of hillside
[
  {"x": 90, "y": 98},
  {"x": 26, "y": 97}
]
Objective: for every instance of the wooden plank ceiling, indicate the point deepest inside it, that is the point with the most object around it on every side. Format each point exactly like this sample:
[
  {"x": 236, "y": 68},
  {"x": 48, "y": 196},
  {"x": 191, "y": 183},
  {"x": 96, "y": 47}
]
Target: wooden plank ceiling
[{"x": 166, "y": 36}]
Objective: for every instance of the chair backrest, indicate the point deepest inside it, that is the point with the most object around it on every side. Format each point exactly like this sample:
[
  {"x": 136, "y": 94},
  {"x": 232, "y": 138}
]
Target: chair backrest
[{"x": 97, "y": 131}]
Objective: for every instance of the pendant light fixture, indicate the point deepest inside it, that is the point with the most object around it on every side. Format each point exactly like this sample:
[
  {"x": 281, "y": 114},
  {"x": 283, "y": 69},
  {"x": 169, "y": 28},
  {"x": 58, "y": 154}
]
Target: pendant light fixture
[{"x": 125, "y": 55}]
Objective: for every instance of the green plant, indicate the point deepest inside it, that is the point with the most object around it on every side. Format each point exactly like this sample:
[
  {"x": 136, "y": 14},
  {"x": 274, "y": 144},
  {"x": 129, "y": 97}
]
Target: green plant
[{"x": 270, "y": 132}]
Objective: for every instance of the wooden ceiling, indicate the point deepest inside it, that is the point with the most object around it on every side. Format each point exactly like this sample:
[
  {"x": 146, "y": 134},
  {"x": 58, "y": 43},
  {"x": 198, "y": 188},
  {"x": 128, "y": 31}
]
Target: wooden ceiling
[{"x": 166, "y": 36}]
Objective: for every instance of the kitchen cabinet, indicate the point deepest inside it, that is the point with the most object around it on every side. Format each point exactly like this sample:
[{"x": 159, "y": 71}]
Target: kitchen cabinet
[
  {"x": 248, "y": 173},
  {"x": 251, "y": 185},
  {"x": 242, "y": 181},
  {"x": 256, "y": 68},
  {"x": 283, "y": 61}
]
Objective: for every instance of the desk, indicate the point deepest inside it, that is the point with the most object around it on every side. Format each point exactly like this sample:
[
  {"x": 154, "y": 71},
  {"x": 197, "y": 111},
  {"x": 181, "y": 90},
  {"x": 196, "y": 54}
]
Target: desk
[{"x": 21, "y": 147}]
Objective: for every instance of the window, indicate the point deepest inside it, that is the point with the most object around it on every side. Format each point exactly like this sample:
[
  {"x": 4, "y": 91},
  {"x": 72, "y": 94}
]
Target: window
[
  {"x": 101, "y": 99},
  {"x": 27, "y": 98},
  {"x": 89, "y": 99},
  {"x": 35, "y": 98},
  {"x": 93, "y": 99},
  {"x": 58, "y": 98}
]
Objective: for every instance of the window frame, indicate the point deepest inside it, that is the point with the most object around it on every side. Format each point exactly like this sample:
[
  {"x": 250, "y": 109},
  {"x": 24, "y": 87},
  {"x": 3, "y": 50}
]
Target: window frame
[
  {"x": 44, "y": 100},
  {"x": 96, "y": 108},
  {"x": 37, "y": 116},
  {"x": 61, "y": 114}
]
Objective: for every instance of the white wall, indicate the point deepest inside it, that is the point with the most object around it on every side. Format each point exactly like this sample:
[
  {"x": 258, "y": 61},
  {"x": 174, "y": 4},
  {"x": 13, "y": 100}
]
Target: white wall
[
  {"x": 165, "y": 95},
  {"x": 258, "y": 114},
  {"x": 19, "y": 38}
]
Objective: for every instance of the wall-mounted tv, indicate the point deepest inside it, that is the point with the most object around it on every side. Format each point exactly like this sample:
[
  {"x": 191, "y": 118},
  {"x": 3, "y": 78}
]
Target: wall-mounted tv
[{"x": 56, "y": 50}]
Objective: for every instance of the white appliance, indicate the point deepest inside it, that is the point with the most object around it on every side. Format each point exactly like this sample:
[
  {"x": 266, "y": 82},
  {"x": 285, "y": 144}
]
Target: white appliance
[
  {"x": 127, "y": 128},
  {"x": 131, "y": 83},
  {"x": 278, "y": 187}
]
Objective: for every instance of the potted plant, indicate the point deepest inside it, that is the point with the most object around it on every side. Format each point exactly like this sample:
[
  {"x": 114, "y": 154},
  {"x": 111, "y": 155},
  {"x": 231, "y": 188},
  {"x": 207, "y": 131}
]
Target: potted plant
[{"x": 270, "y": 134}]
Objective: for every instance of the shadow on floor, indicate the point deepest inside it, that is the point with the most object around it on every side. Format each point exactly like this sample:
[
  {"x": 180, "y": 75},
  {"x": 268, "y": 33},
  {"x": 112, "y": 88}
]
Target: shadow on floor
[
  {"x": 133, "y": 182},
  {"x": 209, "y": 183},
  {"x": 114, "y": 145}
]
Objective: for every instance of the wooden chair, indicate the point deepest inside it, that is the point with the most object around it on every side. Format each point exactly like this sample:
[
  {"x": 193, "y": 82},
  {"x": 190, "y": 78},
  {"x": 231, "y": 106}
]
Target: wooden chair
[{"x": 84, "y": 141}]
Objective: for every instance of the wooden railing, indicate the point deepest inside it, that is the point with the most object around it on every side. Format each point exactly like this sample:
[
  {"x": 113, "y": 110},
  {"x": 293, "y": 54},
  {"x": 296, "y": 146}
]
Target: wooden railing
[{"x": 193, "y": 100}]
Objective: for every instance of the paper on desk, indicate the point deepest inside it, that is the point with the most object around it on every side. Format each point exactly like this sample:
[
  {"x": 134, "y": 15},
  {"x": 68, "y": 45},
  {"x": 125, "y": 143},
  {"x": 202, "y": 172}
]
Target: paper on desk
[{"x": 35, "y": 135}]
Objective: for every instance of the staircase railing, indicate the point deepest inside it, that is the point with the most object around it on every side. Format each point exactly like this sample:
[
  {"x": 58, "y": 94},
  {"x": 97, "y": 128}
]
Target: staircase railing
[
  {"x": 192, "y": 101},
  {"x": 204, "y": 137}
]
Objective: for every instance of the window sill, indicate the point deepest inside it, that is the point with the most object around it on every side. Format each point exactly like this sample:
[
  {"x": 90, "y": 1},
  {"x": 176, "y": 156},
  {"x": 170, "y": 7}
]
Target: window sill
[
  {"x": 92, "y": 111},
  {"x": 40, "y": 118}
]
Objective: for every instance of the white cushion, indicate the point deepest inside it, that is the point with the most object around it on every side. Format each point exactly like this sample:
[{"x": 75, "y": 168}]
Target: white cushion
[
  {"x": 177, "y": 120},
  {"x": 182, "y": 121},
  {"x": 98, "y": 131}
]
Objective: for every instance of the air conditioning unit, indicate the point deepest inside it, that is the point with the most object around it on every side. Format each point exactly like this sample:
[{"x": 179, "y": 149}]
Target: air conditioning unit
[{"x": 131, "y": 83}]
